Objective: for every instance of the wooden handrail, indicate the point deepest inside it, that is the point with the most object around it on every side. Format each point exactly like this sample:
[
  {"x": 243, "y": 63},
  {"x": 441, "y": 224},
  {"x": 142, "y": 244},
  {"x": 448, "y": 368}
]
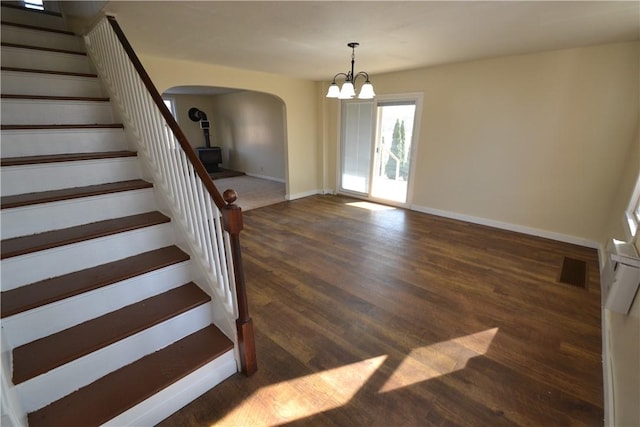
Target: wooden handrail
[
  {"x": 171, "y": 121},
  {"x": 231, "y": 213}
]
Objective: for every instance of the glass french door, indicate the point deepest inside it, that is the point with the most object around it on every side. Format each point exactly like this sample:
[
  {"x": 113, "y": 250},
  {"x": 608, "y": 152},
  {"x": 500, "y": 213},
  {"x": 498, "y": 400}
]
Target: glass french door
[{"x": 376, "y": 148}]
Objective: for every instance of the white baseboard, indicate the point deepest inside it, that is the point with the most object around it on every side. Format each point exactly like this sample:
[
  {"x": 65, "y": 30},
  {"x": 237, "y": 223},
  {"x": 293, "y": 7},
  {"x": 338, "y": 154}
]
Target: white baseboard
[
  {"x": 607, "y": 377},
  {"x": 510, "y": 227},
  {"x": 302, "y": 195}
]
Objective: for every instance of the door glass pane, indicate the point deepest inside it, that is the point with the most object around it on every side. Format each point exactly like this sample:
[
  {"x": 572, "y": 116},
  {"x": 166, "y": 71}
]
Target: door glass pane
[
  {"x": 393, "y": 150},
  {"x": 357, "y": 140}
]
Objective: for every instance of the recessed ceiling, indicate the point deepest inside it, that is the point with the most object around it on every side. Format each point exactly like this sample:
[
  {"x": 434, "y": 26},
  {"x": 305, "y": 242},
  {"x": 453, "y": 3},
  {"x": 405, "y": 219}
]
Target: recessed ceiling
[{"x": 307, "y": 39}]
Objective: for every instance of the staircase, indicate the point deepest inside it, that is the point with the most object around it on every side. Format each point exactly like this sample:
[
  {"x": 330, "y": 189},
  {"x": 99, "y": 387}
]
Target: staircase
[{"x": 103, "y": 321}]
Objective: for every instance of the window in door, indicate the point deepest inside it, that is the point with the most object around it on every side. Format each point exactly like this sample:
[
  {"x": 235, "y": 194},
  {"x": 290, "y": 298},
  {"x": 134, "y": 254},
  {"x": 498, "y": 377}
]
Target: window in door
[
  {"x": 357, "y": 134},
  {"x": 394, "y": 133}
]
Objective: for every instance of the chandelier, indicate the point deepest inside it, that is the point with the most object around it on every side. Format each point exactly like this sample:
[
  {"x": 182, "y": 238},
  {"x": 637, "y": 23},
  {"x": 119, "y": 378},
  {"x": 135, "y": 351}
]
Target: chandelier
[{"x": 348, "y": 88}]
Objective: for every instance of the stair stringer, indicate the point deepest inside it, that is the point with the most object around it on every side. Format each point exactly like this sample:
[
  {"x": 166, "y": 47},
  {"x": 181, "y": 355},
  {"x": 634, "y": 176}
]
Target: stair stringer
[
  {"x": 156, "y": 408},
  {"x": 222, "y": 317},
  {"x": 13, "y": 413}
]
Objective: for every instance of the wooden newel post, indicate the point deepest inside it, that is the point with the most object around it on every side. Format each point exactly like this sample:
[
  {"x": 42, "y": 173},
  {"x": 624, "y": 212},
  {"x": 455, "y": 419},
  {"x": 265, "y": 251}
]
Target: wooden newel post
[{"x": 232, "y": 216}]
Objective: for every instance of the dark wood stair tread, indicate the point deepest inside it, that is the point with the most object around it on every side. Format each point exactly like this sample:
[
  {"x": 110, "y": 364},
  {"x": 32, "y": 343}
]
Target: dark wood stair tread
[
  {"x": 54, "y": 97},
  {"x": 56, "y": 158},
  {"x": 7, "y": 202},
  {"x": 45, "y": 49},
  {"x": 119, "y": 391},
  {"x": 45, "y": 354},
  {"x": 39, "y": 71},
  {"x": 58, "y": 288},
  {"x": 37, "y": 28},
  {"x": 37, "y": 242},
  {"x": 64, "y": 127}
]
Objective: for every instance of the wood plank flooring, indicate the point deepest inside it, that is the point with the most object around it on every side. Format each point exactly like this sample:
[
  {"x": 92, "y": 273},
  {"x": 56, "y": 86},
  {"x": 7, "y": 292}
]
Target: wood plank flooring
[{"x": 397, "y": 318}]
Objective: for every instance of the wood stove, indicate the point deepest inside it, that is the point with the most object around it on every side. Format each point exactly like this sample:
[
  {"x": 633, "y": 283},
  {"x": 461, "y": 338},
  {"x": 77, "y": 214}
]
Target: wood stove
[{"x": 211, "y": 157}]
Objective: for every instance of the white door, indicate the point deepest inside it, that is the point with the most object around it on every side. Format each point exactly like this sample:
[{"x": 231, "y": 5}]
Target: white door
[{"x": 377, "y": 145}]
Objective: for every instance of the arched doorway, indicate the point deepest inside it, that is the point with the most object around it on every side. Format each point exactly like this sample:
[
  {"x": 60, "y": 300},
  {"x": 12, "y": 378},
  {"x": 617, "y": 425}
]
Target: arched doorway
[{"x": 249, "y": 127}]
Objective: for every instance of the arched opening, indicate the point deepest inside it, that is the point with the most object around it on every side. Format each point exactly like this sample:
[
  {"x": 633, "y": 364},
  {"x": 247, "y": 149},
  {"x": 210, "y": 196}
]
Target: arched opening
[{"x": 248, "y": 127}]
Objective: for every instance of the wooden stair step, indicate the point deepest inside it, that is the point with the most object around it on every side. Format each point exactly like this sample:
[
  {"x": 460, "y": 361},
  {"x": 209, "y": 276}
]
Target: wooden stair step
[
  {"x": 45, "y": 49},
  {"x": 58, "y": 288},
  {"x": 7, "y": 202},
  {"x": 119, "y": 391},
  {"x": 37, "y": 28},
  {"x": 72, "y": 157},
  {"x": 64, "y": 127},
  {"x": 51, "y": 239},
  {"x": 39, "y": 71},
  {"x": 45, "y": 354},
  {"x": 53, "y": 97}
]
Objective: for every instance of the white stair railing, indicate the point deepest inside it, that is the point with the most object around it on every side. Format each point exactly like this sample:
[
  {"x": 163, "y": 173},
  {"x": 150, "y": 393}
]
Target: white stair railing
[{"x": 210, "y": 223}]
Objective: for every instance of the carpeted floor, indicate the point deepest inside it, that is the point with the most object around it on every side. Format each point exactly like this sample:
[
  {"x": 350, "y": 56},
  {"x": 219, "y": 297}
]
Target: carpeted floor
[
  {"x": 253, "y": 192},
  {"x": 224, "y": 173}
]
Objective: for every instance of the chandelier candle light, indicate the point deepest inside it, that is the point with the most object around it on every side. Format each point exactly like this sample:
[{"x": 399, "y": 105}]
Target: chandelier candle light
[{"x": 348, "y": 89}]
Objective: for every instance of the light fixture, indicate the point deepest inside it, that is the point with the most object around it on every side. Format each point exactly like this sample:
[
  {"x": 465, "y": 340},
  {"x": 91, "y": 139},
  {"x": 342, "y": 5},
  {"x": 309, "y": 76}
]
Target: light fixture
[{"x": 348, "y": 90}]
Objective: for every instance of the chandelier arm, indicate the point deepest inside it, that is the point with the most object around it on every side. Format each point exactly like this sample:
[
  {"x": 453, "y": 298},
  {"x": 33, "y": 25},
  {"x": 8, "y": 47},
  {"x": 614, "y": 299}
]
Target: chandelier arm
[
  {"x": 361, "y": 73},
  {"x": 346, "y": 76}
]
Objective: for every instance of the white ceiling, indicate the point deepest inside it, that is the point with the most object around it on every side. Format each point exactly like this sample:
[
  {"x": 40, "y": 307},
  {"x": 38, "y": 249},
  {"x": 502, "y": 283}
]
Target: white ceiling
[{"x": 307, "y": 39}]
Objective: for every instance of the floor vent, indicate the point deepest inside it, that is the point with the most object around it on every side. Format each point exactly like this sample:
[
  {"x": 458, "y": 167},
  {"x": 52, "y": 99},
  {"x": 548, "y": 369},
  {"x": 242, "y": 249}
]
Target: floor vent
[{"x": 573, "y": 272}]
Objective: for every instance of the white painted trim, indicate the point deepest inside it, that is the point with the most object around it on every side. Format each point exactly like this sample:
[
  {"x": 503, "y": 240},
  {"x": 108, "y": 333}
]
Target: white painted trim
[
  {"x": 61, "y": 175},
  {"x": 24, "y": 269},
  {"x": 18, "y": 143},
  {"x": 607, "y": 376},
  {"x": 302, "y": 195},
  {"x": 161, "y": 405},
  {"x": 45, "y": 111},
  {"x": 508, "y": 226},
  {"x": 13, "y": 414},
  {"x": 39, "y": 322},
  {"x": 63, "y": 380},
  {"x": 54, "y": 61},
  {"x": 42, "y": 217}
]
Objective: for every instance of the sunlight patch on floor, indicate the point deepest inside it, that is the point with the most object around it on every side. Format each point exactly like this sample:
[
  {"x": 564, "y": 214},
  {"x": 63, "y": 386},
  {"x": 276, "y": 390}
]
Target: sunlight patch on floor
[
  {"x": 303, "y": 397},
  {"x": 370, "y": 206},
  {"x": 439, "y": 359}
]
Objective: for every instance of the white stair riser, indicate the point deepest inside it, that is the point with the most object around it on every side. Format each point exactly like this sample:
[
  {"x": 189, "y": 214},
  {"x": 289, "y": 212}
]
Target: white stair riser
[
  {"x": 17, "y": 16},
  {"x": 39, "y": 322},
  {"x": 53, "y": 61},
  {"x": 32, "y": 219},
  {"x": 158, "y": 407},
  {"x": 29, "y": 37},
  {"x": 21, "y": 270},
  {"x": 20, "y": 143},
  {"x": 42, "y": 112},
  {"x": 51, "y": 386},
  {"x": 24, "y": 83},
  {"x": 59, "y": 175}
]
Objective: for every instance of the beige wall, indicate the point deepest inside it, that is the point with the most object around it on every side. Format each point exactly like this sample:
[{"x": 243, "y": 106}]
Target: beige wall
[
  {"x": 302, "y": 172},
  {"x": 250, "y": 128},
  {"x": 536, "y": 140}
]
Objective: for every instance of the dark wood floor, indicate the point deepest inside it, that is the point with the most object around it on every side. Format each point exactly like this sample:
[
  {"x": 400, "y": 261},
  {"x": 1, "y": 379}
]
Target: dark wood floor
[{"x": 397, "y": 318}]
